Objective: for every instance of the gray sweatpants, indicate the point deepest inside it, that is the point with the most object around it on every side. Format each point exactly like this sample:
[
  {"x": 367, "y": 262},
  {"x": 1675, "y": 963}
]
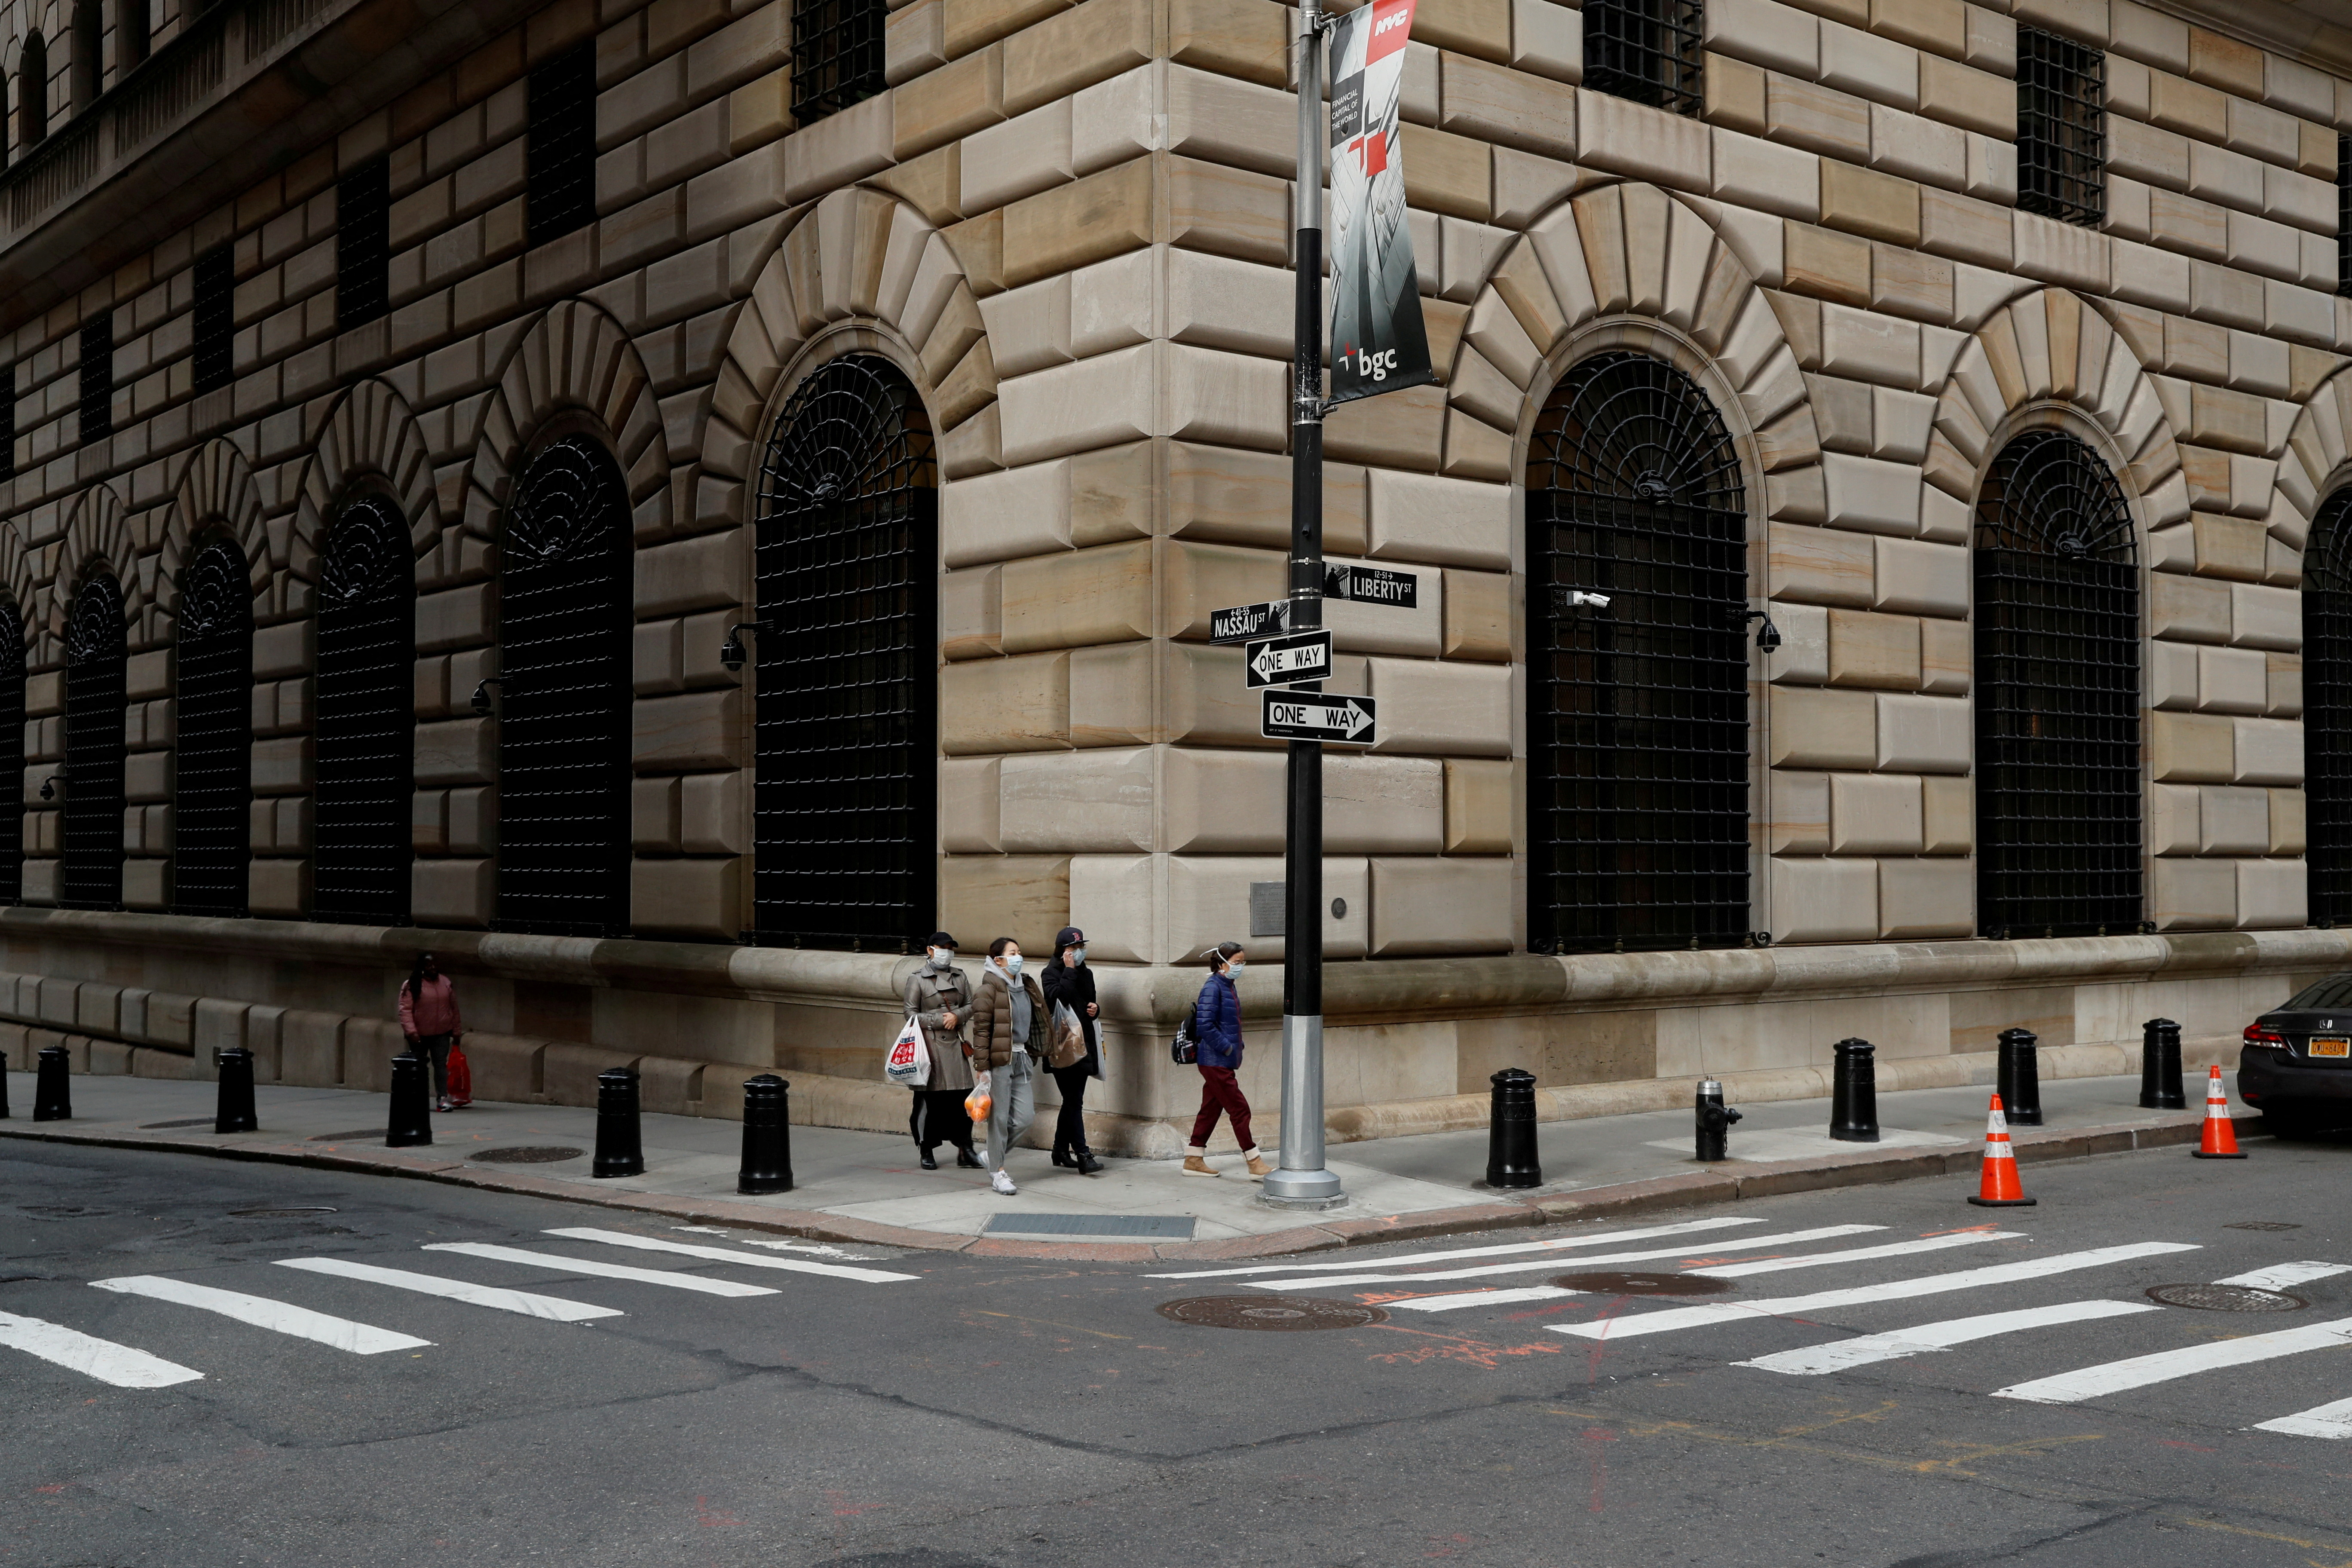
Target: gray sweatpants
[{"x": 1013, "y": 1096}]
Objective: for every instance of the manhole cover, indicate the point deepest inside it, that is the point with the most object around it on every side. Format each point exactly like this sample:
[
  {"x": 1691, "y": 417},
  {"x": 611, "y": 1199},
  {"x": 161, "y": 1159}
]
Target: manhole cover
[
  {"x": 528, "y": 1154},
  {"x": 1643, "y": 1284},
  {"x": 2261, "y": 1225},
  {"x": 1280, "y": 1313},
  {"x": 183, "y": 1122},
  {"x": 346, "y": 1136},
  {"x": 273, "y": 1214},
  {"x": 2226, "y": 1298}
]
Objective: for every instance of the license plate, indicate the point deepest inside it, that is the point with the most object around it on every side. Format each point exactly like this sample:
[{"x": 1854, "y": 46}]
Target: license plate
[{"x": 2331, "y": 1047}]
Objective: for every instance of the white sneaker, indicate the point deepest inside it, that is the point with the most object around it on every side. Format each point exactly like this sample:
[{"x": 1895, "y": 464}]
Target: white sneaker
[{"x": 1003, "y": 1183}]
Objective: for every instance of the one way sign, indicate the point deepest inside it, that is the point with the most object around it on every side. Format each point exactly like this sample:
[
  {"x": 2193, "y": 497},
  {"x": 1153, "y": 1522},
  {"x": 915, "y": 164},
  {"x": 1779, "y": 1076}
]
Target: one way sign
[
  {"x": 1316, "y": 716},
  {"x": 1289, "y": 661}
]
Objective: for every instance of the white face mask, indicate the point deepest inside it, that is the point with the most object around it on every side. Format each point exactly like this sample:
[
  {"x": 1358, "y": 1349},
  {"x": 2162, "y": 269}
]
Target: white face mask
[
  {"x": 1078, "y": 955},
  {"x": 1236, "y": 966},
  {"x": 942, "y": 956},
  {"x": 1012, "y": 964}
]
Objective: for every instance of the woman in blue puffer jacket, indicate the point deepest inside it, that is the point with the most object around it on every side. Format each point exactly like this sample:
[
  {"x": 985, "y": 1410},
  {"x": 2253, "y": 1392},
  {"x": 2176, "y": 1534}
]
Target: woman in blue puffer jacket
[{"x": 1217, "y": 1028}]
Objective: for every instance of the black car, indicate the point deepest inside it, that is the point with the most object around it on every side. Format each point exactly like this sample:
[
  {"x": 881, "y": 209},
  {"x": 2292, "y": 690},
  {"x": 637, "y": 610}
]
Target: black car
[{"x": 2296, "y": 1063}]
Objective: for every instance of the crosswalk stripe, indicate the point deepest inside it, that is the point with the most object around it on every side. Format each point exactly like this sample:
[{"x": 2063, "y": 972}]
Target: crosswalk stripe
[
  {"x": 1683, "y": 1227},
  {"x": 2332, "y": 1420},
  {"x": 530, "y": 1306},
  {"x": 727, "y": 1255},
  {"x": 1856, "y": 1254},
  {"x": 1861, "y": 1351},
  {"x": 1487, "y": 1270},
  {"x": 1481, "y": 1299},
  {"x": 2280, "y": 1276},
  {"x": 602, "y": 1270},
  {"x": 101, "y": 1359},
  {"x": 261, "y": 1313},
  {"x": 1891, "y": 1290},
  {"x": 2138, "y": 1372}
]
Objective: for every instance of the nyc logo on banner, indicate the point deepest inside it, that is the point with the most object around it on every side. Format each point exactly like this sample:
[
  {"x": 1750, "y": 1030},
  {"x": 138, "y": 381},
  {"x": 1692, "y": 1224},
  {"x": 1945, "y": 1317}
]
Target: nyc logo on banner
[{"x": 1378, "y": 343}]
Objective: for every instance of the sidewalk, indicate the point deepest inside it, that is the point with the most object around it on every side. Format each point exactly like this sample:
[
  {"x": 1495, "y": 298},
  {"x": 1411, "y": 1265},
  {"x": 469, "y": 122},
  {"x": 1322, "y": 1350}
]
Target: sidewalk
[{"x": 866, "y": 1187}]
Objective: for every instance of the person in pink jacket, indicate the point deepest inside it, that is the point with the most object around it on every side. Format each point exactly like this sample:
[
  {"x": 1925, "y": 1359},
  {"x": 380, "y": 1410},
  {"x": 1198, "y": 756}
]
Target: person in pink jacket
[{"x": 428, "y": 1019}]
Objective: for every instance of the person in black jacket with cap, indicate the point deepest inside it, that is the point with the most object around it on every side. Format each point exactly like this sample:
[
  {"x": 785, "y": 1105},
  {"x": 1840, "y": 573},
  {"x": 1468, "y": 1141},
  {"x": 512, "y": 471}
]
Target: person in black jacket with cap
[{"x": 1070, "y": 984}]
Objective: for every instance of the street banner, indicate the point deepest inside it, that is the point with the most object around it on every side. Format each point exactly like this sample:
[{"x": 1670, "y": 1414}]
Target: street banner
[{"x": 1378, "y": 343}]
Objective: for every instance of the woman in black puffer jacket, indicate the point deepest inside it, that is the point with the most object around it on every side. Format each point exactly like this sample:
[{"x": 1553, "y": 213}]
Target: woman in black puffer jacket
[{"x": 1071, "y": 983}]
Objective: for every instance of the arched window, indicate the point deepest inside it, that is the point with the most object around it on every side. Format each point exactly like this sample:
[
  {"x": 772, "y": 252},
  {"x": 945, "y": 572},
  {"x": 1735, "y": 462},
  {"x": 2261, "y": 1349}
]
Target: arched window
[
  {"x": 11, "y": 755},
  {"x": 847, "y": 734},
  {"x": 211, "y": 789},
  {"x": 563, "y": 713},
  {"x": 88, "y": 64},
  {"x": 366, "y": 727},
  {"x": 3, "y": 123},
  {"x": 32, "y": 93},
  {"x": 91, "y": 874},
  {"x": 2057, "y": 694},
  {"x": 1637, "y": 715},
  {"x": 2327, "y": 709},
  {"x": 132, "y": 35}
]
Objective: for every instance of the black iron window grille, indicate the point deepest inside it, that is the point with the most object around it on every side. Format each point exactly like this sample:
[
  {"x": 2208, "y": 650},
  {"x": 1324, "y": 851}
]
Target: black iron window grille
[
  {"x": 1637, "y": 711},
  {"x": 12, "y": 755},
  {"x": 216, "y": 323},
  {"x": 846, "y": 727},
  {"x": 97, "y": 376},
  {"x": 2327, "y": 711},
  {"x": 2057, "y": 694},
  {"x": 362, "y": 244},
  {"x": 2344, "y": 215},
  {"x": 90, "y": 874},
  {"x": 2062, "y": 128},
  {"x": 837, "y": 55},
  {"x": 1648, "y": 51},
  {"x": 212, "y": 783},
  {"x": 560, "y": 145},
  {"x": 564, "y": 720},
  {"x": 365, "y": 742},
  {"x": 8, "y": 421}
]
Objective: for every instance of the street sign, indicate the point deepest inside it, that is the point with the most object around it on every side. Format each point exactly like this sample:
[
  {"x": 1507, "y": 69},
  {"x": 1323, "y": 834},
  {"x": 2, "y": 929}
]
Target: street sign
[
  {"x": 1372, "y": 586},
  {"x": 1316, "y": 716},
  {"x": 1289, "y": 661},
  {"x": 1245, "y": 622}
]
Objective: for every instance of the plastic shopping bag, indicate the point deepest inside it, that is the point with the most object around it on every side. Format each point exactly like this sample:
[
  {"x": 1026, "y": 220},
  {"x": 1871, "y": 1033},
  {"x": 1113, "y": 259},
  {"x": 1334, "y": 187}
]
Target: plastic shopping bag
[
  {"x": 461, "y": 1079},
  {"x": 977, "y": 1104},
  {"x": 909, "y": 1061}
]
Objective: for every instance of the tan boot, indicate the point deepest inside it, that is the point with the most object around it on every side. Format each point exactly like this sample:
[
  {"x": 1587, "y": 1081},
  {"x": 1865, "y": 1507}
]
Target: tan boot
[
  {"x": 1196, "y": 1165},
  {"x": 1258, "y": 1168}
]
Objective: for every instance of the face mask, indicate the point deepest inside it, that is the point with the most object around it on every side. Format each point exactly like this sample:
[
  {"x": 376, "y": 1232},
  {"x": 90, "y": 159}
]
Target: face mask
[
  {"x": 1236, "y": 966},
  {"x": 942, "y": 956},
  {"x": 1013, "y": 966},
  {"x": 1078, "y": 955}
]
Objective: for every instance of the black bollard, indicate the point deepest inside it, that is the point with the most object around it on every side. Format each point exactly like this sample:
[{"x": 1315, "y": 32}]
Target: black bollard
[
  {"x": 620, "y": 1152},
  {"x": 767, "y": 1136},
  {"x": 411, "y": 1108},
  {"x": 2159, "y": 1067},
  {"x": 1511, "y": 1131},
  {"x": 1854, "y": 1096},
  {"x": 1714, "y": 1119},
  {"x": 2018, "y": 1073},
  {"x": 234, "y": 1110},
  {"x": 3, "y": 1087},
  {"x": 52, "y": 1085}
]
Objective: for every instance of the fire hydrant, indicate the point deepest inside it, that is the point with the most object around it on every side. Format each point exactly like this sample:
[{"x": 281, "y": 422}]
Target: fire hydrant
[{"x": 1714, "y": 1119}]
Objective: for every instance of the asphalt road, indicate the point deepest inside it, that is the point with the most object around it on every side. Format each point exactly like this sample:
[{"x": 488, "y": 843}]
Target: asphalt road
[{"x": 998, "y": 1413}]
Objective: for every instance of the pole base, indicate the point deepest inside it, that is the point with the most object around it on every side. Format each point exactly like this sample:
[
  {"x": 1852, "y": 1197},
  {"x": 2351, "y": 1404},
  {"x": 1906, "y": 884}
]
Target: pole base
[
  {"x": 2201, "y": 1154},
  {"x": 2004, "y": 1202},
  {"x": 1302, "y": 1206},
  {"x": 1287, "y": 1188},
  {"x": 1848, "y": 1137}
]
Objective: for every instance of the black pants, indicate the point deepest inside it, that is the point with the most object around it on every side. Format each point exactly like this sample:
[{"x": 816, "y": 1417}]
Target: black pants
[
  {"x": 1070, "y": 1127},
  {"x": 938, "y": 1118},
  {"x": 434, "y": 1048}
]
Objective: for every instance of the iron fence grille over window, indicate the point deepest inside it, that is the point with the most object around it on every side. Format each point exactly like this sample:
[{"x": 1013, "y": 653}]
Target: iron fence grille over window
[
  {"x": 212, "y": 785},
  {"x": 837, "y": 55},
  {"x": 90, "y": 877},
  {"x": 12, "y": 755},
  {"x": 1648, "y": 51},
  {"x": 845, "y": 742},
  {"x": 97, "y": 376},
  {"x": 366, "y": 741},
  {"x": 564, "y": 709},
  {"x": 2344, "y": 215},
  {"x": 2327, "y": 711},
  {"x": 2057, "y": 694},
  {"x": 215, "y": 318},
  {"x": 1638, "y": 712},
  {"x": 2062, "y": 128},
  {"x": 362, "y": 244},
  {"x": 560, "y": 145}
]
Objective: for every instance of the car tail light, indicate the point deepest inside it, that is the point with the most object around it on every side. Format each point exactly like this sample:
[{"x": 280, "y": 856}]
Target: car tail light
[{"x": 2264, "y": 1034}]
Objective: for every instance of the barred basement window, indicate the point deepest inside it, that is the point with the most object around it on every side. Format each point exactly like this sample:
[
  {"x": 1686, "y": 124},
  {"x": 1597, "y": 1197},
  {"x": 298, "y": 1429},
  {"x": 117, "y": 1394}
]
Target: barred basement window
[
  {"x": 366, "y": 741},
  {"x": 362, "y": 244},
  {"x": 845, "y": 730},
  {"x": 90, "y": 875},
  {"x": 560, "y": 146},
  {"x": 1637, "y": 715},
  {"x": 1648, "y": 51},
  {"x": 12, "y": 755},
  {"x": 2327, "y": 711},
  {"x": 212, "y": 788},
  {"x": 215, "y": 318},
  {"x": 2062, "y": 128},
  {"x": 564, "y": 709},
  {"x": 2057, "y": 694},
  {"x": 837, "y": 55},
  {"x": 2344, "y": 215},
  {"x": 98, "y": 378}
]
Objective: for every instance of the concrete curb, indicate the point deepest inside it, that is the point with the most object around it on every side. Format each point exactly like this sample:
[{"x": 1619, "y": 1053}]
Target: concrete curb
[{"x": 1864, "y": 1167}]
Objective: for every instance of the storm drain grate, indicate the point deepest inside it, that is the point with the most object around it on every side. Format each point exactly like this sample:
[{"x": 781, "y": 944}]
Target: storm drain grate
[
  {"x": 2261, "y": 1225},
  {"x": 2226, "y": 1298},
  {"x": 345, "y": 1137},
  {"x": 183, "y": 1122},
  {"x": 1282, "y": 1314},
  {"x": 527, "y": 1154},
  {"x": 1643, "y": 1284},
  {"x": 1158, "y": 1226}
]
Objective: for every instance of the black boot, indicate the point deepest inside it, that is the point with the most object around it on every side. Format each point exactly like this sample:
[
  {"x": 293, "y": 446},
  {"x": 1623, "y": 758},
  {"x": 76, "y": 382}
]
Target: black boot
[
  {"x": 966, "y": 1160},
  {"x": 1086, "y": 1162},
  {"x": 930, "y": 1163},
  {"x": 1061, "y": 1158}
]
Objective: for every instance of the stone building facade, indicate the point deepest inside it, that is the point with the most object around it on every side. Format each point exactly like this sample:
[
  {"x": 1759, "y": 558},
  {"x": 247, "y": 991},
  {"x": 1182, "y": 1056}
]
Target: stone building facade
[{"x": 665, "y": 502}]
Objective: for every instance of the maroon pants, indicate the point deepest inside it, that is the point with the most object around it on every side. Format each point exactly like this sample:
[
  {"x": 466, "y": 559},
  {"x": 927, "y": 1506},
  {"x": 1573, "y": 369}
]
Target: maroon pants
[{"x": 1219, "y": 1091}]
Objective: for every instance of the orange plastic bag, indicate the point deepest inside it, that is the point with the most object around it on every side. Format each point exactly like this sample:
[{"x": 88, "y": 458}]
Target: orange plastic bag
[{"x": 461, "y": 1079}]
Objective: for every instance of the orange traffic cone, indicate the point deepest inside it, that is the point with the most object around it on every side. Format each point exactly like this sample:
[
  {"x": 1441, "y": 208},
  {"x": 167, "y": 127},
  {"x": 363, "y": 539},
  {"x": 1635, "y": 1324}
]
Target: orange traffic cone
[
  {"x": 2220, "y": 1140},
  {"x": 1998, "y": 1188}
]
